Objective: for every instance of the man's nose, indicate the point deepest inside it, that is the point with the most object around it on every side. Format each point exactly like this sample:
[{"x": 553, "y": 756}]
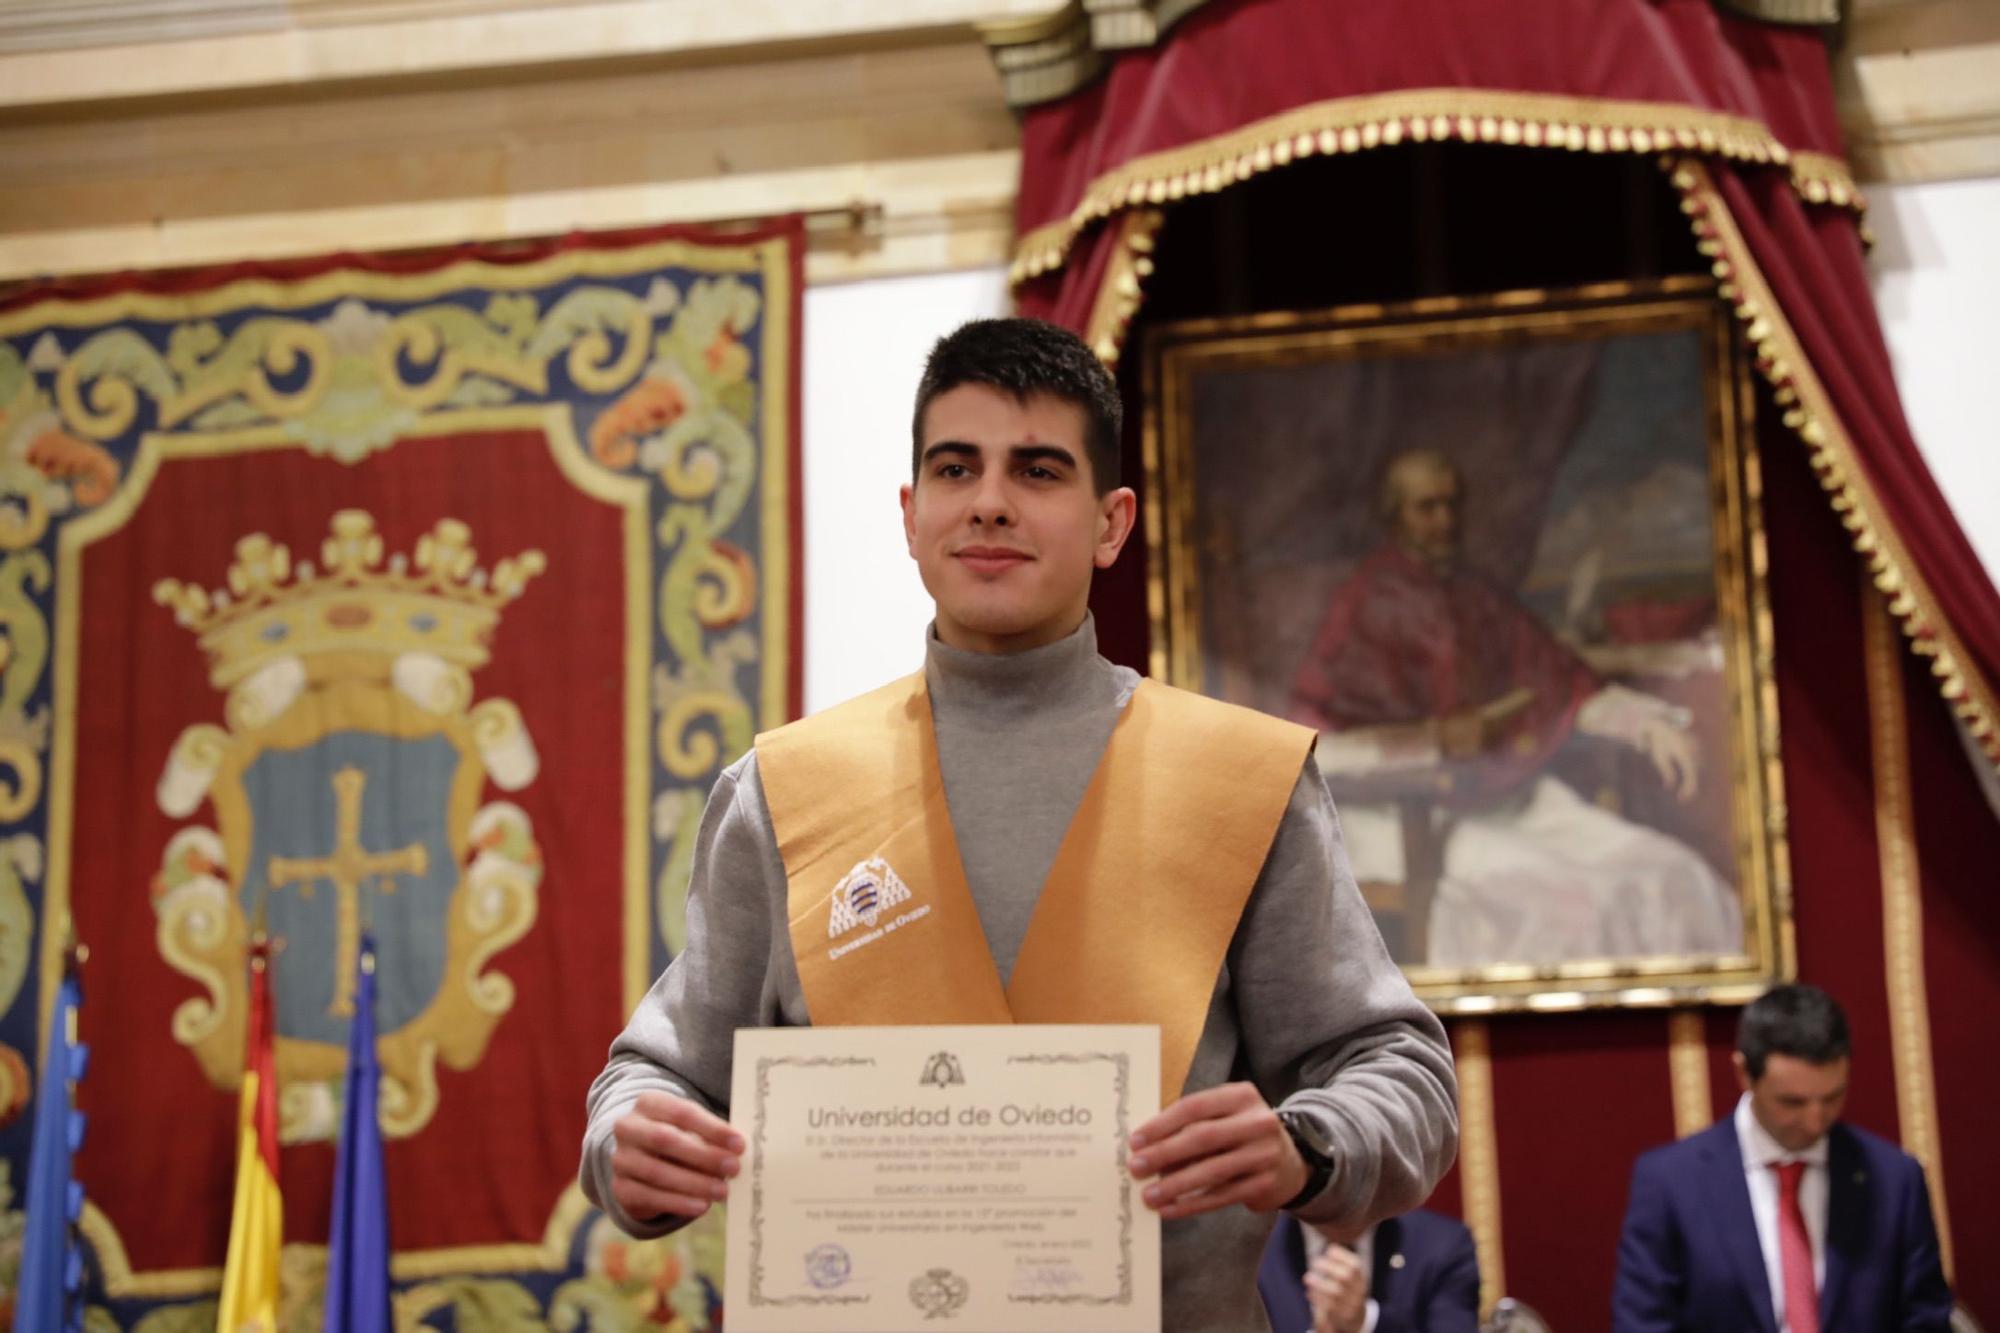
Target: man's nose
[{"x": 992, "y": 503}]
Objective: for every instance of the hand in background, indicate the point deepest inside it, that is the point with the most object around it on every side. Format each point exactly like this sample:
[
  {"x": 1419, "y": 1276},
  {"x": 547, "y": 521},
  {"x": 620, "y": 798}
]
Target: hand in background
[
  {"x": 1462, "y": 735},
  {"x": 1675, "y": 755},
  {"x": 1337, "y": 1290}
]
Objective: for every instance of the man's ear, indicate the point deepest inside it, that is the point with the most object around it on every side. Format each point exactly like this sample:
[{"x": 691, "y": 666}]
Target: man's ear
[
  {"x": 907, "y": 497},
  {"x": 1743, "y": 1079},
  {"x": 1117, "y": 511}
]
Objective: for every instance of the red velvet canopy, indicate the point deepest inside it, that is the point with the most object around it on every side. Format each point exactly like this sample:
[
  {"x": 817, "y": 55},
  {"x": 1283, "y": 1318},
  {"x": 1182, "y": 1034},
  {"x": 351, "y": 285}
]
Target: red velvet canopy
[
  {"x": 1890, "y": 836},
  {"x": 1742, "y": 111}
]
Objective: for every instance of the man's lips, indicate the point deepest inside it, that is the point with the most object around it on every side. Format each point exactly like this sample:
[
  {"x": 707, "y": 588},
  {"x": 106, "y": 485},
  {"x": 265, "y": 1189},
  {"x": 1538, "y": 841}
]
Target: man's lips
[{"x": 991, "y": 559}]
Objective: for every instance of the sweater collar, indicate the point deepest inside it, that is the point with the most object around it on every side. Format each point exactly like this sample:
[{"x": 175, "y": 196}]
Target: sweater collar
[{"x": 989, "y": 687}]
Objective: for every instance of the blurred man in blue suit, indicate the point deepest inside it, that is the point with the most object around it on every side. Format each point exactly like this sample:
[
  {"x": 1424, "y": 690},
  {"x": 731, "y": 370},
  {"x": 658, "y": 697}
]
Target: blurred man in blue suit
[
  {"x": 1782, "y": 1218},
  {"x": 1416, "y": 1273}
]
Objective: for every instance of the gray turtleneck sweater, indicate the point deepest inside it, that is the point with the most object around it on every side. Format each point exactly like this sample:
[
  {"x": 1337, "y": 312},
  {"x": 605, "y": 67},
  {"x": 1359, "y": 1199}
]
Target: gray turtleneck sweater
[{"x": 1308, "y": 1005}]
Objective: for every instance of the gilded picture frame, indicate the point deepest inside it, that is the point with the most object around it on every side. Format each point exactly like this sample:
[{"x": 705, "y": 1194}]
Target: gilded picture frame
[{"x": 1506, "y": 554}]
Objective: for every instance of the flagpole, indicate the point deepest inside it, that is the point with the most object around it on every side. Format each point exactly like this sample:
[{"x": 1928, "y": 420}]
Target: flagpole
[
  {"x": 358, "y": 1288},
  {"x": 256, "y": 1223},
  {"x": 48, "y": 1295}
]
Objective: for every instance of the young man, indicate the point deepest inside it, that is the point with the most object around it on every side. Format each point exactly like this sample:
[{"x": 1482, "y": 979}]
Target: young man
[
  {"x": 1091, "y": 848},
  {"x": 1782, "y": 1218}
]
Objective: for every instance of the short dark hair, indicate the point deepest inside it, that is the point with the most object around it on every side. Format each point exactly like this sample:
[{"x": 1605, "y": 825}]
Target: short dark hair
[
  {"x": 1026, "y": 357},
  {"x": 1801, "y": 1021}
]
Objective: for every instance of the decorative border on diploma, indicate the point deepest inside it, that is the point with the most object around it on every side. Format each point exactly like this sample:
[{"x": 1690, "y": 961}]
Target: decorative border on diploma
[
  {"x": 1122, "y": 1084},
  {"x": 757, "y": 1117}
]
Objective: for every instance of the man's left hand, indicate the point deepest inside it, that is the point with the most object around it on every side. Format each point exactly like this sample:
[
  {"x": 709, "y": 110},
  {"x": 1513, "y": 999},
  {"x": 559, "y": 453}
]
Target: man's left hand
[{"x": 1214, "y": 1149}]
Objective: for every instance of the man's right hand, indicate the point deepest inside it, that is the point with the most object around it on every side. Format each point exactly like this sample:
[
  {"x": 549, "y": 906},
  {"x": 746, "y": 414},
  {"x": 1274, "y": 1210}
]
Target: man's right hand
[{"x": 672, "y": 1158}]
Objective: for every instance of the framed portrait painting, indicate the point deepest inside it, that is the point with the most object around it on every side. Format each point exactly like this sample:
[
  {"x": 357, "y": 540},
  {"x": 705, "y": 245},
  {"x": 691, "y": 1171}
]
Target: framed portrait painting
[{"x": 1505, "y": 555}]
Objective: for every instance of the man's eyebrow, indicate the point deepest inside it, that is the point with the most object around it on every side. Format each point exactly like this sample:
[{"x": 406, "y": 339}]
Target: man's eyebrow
[
  {"x": 1017, "y": 454},
  {"x": 953, "y": 448},
  {"x": 1042, "y": 453}
]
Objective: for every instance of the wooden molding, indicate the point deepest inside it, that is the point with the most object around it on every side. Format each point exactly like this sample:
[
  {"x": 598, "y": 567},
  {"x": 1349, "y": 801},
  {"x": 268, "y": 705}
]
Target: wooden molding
[
  {"x": 1919, "y": 99},
  {"x": 55, "y": 52},
  {"x": 917, "y": 129}
]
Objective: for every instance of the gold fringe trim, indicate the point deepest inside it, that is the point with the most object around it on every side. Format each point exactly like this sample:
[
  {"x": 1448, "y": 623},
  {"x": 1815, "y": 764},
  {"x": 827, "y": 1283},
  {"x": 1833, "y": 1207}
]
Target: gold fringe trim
[
  {"x": 1903, "y": 912},
  {"x": 1835, "y": 461},
  {"x": 1416, "y": 115},
  {"x": 1123, "y": 288},
  {"x": 1823, "y": 179},
  {"x": 1687, "y": 1062},
  {"x": 1479, "y": 1158}
]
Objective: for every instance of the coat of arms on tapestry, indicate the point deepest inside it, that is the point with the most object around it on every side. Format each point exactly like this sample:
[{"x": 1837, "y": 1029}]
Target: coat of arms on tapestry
[{"x": 423, "y": 595}]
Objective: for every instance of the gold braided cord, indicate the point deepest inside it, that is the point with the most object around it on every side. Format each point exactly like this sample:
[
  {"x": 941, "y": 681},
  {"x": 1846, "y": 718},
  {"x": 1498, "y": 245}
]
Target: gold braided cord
[
  {"x": 1420, "y": 115},
  {"x": 1479, "y": 1157},
  {"x": 1903, "y": 914},
  {"x": 1687, "y": 1066},
  {"x": 1835, "y": 460},
  {"x": 1123, "y": 286}
]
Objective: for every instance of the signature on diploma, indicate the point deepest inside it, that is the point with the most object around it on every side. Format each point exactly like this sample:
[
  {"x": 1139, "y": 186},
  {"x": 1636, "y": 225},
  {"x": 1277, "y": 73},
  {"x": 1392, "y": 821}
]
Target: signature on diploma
[{"x": 1046, "y": 1276}]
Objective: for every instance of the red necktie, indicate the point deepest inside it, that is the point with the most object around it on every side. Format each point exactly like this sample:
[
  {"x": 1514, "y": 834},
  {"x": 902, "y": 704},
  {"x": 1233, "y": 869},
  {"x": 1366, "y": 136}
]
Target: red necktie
[{"x": 1795, "y": 1252}]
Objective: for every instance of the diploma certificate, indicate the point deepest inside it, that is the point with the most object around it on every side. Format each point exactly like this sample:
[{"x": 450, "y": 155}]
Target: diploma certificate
[{"x": 962, "y": 1178}]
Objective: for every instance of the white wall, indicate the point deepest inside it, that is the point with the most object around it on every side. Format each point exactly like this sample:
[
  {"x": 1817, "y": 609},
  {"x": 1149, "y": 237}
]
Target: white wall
[
  {"x": 1937, "y": 285},
  {"x": 865, "y": 344}
]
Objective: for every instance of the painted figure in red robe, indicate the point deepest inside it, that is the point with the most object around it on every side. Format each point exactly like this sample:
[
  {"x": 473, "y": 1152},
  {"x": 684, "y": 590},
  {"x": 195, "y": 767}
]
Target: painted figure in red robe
[{"x": 1440, "y": 697}]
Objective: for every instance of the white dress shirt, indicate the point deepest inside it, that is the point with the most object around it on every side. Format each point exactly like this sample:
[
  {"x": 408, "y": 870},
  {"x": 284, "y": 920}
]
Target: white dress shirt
[
  {"x": 1364, "y": 1250},
  {"x": 1760, "y": 1153}
]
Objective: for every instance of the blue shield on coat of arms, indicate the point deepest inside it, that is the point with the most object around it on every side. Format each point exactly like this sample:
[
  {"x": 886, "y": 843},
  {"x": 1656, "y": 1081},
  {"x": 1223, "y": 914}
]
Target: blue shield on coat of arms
[{"x": 349, "y": 831}]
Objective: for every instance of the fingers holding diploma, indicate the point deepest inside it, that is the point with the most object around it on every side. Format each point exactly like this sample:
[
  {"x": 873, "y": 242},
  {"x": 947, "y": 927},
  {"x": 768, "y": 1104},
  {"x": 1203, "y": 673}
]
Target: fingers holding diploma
[
  {"x": 1215, "y": 1149},
  {"x": 672, "y": 1157}
]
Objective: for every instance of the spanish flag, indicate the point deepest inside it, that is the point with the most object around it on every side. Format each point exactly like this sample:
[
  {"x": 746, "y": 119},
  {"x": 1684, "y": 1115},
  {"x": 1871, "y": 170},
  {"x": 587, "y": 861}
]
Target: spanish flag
[{"x": 256, "y": 1223}]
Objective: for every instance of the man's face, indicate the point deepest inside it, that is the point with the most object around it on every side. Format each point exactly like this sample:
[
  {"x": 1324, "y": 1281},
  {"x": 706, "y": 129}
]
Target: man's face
[
  {"x": 1427, "y": 504},
  {"x": 1796, "y": 1101},
  {"x": 1004, "y": 521}
]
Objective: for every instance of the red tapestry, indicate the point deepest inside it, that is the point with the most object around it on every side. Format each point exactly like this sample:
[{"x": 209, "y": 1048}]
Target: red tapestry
[{"x": 423, "y": 597}]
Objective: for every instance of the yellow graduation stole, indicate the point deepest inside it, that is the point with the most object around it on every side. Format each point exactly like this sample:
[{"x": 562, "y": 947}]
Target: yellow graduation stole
[{"x": 1139, "y": 906}]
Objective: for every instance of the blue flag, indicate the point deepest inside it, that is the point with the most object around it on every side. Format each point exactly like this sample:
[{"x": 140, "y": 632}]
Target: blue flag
[
  {"x": 49, "y": 1296},
  {"x": 357, "y": 1261}
]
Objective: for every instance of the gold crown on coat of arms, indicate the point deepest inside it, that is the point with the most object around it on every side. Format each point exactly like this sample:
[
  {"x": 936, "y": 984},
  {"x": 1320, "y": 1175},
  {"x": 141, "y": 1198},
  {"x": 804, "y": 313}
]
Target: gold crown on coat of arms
[{"x": 436, "y": 600}]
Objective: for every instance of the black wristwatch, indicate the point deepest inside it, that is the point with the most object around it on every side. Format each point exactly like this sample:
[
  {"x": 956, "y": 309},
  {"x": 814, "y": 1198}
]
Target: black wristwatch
[{"x": 1314, "y": 1150}]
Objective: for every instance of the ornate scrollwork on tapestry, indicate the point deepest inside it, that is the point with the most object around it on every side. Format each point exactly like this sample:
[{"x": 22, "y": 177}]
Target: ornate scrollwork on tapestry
[
  {"x": 688, "y": 422},
  {"x": 498, "y": 1304},
  {"x": 24, "y": 656},
  {"x": 626, "y": 1283},
  {"x": 45, "y": 469},
  {"x": 704, "y": 723},
  {"x": 20, "y": 865},
  {"x": 346, "y": 385},
  {"x": 360, "y": 670},
  {"x": 13, "y": 1231}
]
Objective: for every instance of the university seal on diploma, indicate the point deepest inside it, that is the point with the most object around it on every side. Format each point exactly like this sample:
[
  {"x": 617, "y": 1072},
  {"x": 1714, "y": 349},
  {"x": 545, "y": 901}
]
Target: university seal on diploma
[{"x": 877, "y": 1195}]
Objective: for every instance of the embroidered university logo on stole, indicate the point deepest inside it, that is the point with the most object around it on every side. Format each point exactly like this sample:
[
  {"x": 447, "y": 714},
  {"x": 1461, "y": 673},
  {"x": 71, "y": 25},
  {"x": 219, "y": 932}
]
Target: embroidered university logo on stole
[
  {"x": 860, "y": 899},
  {"x": 862, "y": 895},
  {"x": 1188, "y": 795}
]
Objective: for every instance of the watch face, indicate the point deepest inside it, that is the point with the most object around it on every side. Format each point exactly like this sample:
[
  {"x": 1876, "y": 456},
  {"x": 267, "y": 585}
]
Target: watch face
[{"x": 1306, "y": 1133}]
